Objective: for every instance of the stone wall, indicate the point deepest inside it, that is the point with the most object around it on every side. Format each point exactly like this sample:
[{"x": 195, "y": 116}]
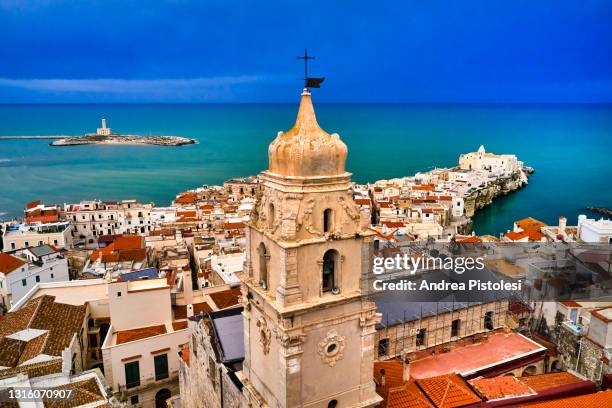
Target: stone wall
[{"x": 438, "y": 328}]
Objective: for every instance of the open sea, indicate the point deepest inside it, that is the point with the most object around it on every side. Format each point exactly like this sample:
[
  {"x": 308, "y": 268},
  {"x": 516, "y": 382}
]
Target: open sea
[{"x": 570, "y": 147}]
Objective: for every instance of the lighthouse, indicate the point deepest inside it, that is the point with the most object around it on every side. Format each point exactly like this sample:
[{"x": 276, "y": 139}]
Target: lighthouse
[{"x": 103, "y": 130}]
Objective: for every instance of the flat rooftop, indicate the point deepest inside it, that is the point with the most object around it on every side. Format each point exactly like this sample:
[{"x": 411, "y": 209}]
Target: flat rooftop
[
  {"x": 497, "y": 349},
  {"x": 126, "y": 336},
  {"x": 75, "y": 292}
]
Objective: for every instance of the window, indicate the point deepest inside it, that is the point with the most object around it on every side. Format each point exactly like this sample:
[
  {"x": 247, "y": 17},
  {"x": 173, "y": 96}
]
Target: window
[
  {"x": 27, "y": 244},
  {"x": 332, "y": 404},
  {"x": 37, "y": 278},
  {"x": 488, "y": 321},
  {"x": 271, "y": 216},
  {"x": 24, "y": 282},
  {"x": 134, "y": 399},
  {"x": 132, "y": 374},
  {"x": 327, "y": 220},
  {"x": 263, "y": 266},
  {"x": 329, "y": 270},
  {"x": 161, "y": 366},
  {"x": 118, "y": 294},
  {"x": 420, "y": 337},
  {"x": 55, "y": 242},
  {"x": 455, "y": 327},
  {"x": 383, "y": 347},
  {"x": 52, "y": 276},
  {"x": 12, "y": 245}
]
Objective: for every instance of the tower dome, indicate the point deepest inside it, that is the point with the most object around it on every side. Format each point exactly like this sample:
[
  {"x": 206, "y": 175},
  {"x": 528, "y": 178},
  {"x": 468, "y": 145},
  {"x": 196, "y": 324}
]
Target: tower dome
[{"x": 306, "y": 150}]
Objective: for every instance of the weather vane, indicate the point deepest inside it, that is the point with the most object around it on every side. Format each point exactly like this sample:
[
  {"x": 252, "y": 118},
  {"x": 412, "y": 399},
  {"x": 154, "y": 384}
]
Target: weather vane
[{"x": 309, "y": 82}]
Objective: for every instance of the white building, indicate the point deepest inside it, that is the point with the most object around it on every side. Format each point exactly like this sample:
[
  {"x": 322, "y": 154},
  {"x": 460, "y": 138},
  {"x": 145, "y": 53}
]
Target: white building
[
  {"x": 24, "y": 235},
  {"x": 91, "y": 219},
  {"x": 103, "y": 131},
  {"x": 595, "y": 231},
  {"x": 140, "y": 351},
  {"x": 496, "y": 163},
  {"x": 19, "y": 274},
  {"x": 227, "y": 266}
]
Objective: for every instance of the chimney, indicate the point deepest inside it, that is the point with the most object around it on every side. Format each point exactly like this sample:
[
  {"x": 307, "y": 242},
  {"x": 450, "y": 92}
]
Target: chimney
[
  {"x": 562, "y": 225},
  {"x": 187, "y": 286},
  {"x": 406, "y": 364}
]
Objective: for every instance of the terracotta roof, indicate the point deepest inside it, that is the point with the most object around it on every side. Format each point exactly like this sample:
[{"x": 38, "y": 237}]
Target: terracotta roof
[
  {"x": 35, "y": 370},
  {"x": 233, "y": 225},
  {"x": 180, "y": 311},
  {"x": 448, "y": 391},
  {"x": 601, "y": 316},
  {"x": 42, "y": 219},
  {"x": 597, "y": 400},
  {"x": 226, "y": 298},
  {"x": 9, "y": 263},
  {"x": 362, "y": 201},
  {"x": 551, "y": 380},
  {"x": 529, "y": 223},
  {"x": 424, "y": 187},
  {"x": 393, "y": 224},
  {"x": 187, "y": 198},
  {"x": 124, "y": 248},
  {"x": 33, "y": 204},
  {"x": 571, "y": 303},
  {"x": 128, "y": 242},
  {"x": 407, "y": 396},
  {"x": 59, "y": 323},
  {"x": 501, "y": 387},
  {"x": 126, "y": 336},
  {"x": 179, "y": 325},
  {"x": 83, "y": 392}
]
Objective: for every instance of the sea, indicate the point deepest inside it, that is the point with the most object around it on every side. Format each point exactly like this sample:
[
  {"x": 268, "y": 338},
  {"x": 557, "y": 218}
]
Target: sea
[{"x": 569, "y": 146}]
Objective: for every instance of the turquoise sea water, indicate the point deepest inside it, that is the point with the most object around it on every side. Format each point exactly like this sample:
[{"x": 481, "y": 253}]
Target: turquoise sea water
[{"x": 569, "y": 146}]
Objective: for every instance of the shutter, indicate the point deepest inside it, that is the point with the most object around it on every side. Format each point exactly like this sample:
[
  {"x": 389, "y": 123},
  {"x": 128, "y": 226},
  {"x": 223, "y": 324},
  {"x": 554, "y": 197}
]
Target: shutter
[{"x": 161, "y": 367}]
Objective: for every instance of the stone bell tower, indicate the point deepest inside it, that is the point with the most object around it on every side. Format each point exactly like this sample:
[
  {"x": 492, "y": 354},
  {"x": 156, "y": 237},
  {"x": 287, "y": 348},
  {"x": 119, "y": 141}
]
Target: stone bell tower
[{"x": 309, "y": 335}]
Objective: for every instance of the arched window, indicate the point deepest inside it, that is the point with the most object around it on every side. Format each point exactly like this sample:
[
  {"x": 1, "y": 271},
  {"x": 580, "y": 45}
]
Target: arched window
[
  {"x": 263, "y": 266},
  {"x": 332, "y": 404},
  {"x": 330, "y": 261},
  {"x": 271, "y": 216},
  {"x": 327, "y": 220}
]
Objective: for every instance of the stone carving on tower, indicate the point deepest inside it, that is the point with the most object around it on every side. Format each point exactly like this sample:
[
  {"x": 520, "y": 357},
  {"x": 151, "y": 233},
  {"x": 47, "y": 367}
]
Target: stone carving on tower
[{"x": 309, "y": 333}]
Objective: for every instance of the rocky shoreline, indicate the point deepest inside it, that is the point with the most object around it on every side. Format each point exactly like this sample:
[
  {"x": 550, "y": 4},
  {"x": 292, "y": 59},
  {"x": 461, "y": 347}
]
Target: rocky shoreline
[{"x": 119, "y": 139}]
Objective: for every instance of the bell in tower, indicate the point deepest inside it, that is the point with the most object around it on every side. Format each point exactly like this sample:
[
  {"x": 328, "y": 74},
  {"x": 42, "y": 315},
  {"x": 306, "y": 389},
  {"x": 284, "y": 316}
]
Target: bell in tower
[{"x": 309, "y": 333}]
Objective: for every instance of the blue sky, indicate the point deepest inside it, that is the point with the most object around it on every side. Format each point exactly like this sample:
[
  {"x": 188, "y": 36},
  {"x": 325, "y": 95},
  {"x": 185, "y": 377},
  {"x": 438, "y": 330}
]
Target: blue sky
[{"x": 245, "y": 51}]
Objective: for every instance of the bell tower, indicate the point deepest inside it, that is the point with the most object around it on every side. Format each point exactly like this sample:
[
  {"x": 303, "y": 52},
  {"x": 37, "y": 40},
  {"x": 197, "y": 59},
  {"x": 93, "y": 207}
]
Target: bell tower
[{"x": 308, "y": 334}]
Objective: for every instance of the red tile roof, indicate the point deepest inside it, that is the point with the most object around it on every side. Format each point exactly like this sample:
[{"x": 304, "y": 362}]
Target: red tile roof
[
  {"x": 187, "y": 198},
  {"x": 448, "y": 391},
  {"x": 598, "y": 400},
  {"x": 571, "y": 303},
  {"x": 407, "y": 396},
  {"x": 424, "y": 187},
  {"x": 9, "y": 263},
  {"x": 501, "y": 387},
  {"x": 543, "y": 382},
  {"x": 33, "y": 204}
]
